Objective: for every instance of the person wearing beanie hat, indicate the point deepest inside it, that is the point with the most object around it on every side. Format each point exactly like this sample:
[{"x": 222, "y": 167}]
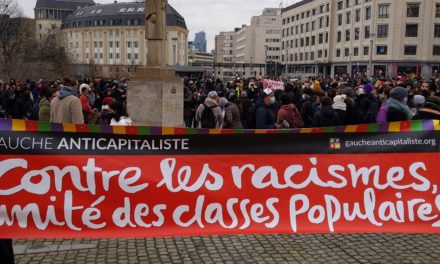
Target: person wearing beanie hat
[
  {"x": 104, "y": 117},
  {"x": 398, "y": 110},
  {"x": 340, "y": 107},
  {"x": 369, "y": 105},
  {"x": 216, "y": 119},
  {"x": 430, "y": 110}
]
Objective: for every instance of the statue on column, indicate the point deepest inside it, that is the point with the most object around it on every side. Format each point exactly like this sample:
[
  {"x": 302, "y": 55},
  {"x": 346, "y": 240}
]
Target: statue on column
[{"x": 156, "y": 32}]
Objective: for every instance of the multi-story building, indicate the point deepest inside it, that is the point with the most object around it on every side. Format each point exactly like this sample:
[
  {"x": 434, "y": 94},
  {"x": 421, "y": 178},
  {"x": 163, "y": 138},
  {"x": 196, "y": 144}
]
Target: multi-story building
[
  {"x": 199, "y": 42},
  {"x": 49, "y": 15},
  {"x": 252, "y": 50},
  {"x": 384, "y": 38},
  {"x": 111, "y": 37}
]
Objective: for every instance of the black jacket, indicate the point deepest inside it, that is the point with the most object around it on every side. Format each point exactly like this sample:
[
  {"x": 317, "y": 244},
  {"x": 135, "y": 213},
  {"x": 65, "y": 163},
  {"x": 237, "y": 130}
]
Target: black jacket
[{"x": 326, "y": 117}]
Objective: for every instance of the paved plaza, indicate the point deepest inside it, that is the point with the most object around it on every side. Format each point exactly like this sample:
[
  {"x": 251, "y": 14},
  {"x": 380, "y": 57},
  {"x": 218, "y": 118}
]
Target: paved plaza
[{"x": 332, "y": 249}]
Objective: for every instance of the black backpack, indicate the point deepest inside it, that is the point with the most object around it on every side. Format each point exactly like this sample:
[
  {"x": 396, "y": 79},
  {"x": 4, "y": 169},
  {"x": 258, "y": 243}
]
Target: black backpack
[{"x": 207, "y": 118}]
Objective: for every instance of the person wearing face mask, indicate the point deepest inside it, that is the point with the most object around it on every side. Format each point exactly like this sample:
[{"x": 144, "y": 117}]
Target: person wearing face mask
[
  {"x": 265, "y": 117},
  {"x": 307, "y": 106},
  {"x": 398, "y": 110}
]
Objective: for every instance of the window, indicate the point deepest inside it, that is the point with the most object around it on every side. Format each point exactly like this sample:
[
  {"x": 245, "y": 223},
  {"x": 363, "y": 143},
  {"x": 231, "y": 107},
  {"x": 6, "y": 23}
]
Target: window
[
  {"x": 382, "y": 31},
  {"x": 356, "y": 33},
  {"x": 347, "y": 52},
  {"x": 358, "y": 15},
  {"x": 437, "y": 10},
  {"x": 382, "y": 50},
  {"x": 340, "y": 20},
  {"x": 366, "y": 51},
  {"x": 437, "y": 31},
  {"x": 410, "y": 50},
  {"x": 411, "y": 30},
  {"x": 368, "y": 13},
  {"x": 356, "y": 51},
  {"x": 339, "y": 36},
  {"x": 367, "y": 32},
  {"x": 347, "y": 35},
  {"x": 338, "y": 53},
  {"x": 436, "y": 50},
  {"x": 384, "y": 11},
  {"x": 340, "y": 5},
  {"x": 347, "y": 3},
  {"x": 412, "y": 10}
]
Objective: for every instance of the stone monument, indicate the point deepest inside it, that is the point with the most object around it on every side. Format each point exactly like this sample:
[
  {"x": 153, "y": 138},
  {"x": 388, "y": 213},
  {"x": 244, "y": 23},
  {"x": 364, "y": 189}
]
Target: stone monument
[{"x": 155, "y": 93}]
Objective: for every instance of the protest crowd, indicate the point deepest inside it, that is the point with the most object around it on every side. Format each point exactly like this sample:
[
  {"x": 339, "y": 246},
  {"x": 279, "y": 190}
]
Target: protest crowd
[
  {"x": 309, "y": 102},
  {"x": 242, "y": 103}
]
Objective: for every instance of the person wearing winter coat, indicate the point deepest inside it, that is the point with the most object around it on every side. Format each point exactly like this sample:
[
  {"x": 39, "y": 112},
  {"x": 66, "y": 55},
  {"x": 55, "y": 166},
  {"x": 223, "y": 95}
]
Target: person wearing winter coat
[
  {"x": 265, "y": 116},
  {"x": 368, "y": 105},
  {"x": 120, "y": 116},
  {"x": 288, "y": 115},
  {"x": 23, "y": 105},
  {"x": 66, "y": 107},
  {"x": 232, "y": 118},
  {"x": 381, "y": 117},
  {"x": 211, "y": 101},
  {"x": 326, "y": 116},
  {"x": 430, "y": 110},
  {"x": 397, "y": 108},
  {"x": 307, "y": 107},
  {"x": 44, "y": 105},
  {"x": 104, "y": 117},
  {"x": 340, "y": 107}
]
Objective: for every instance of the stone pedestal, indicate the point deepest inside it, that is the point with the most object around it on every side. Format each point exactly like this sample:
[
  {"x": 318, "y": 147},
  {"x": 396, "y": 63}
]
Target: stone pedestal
[{"x": 155, "y": 98}]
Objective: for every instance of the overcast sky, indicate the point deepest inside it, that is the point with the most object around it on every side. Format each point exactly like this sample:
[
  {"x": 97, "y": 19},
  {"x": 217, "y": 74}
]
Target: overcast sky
[{"x": 212, "y": 16}]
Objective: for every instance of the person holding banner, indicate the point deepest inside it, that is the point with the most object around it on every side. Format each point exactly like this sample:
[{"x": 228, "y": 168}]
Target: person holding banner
[{"x": 6, "y": 251}]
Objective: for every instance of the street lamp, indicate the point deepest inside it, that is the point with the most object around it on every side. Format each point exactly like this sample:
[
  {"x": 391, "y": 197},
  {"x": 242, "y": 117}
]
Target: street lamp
[
  {"x": 287, "y": 58},
  {"x": 370, "y": 63},
  {"x": 265, "y": 60}
]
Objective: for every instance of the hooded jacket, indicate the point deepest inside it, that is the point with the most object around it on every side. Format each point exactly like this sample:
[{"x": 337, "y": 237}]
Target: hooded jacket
[
  {"x": 290, "y": 114},
  {"x": 66, "y": 107},
  {"x": 326, "y": 117}
]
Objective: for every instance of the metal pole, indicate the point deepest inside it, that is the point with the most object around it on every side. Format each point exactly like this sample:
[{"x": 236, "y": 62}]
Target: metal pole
[
  {"x": 287, "y": 58},
  {"x": 350, "y": 70},
  {"x": 370, "y": 63}
]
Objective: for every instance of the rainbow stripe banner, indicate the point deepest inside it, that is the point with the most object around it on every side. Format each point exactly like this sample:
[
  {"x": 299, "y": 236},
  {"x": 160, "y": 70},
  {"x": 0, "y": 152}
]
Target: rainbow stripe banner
[{"x": 35, "y": 126}]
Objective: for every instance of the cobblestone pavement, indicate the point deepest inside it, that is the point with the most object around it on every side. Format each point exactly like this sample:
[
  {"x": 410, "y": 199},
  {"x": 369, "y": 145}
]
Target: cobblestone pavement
[{"x": 331, "y": 249}]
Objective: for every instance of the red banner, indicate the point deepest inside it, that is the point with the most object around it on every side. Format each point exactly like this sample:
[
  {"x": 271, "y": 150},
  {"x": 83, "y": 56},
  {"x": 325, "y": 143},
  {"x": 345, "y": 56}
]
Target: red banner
[{"x": 95, "y": 196}]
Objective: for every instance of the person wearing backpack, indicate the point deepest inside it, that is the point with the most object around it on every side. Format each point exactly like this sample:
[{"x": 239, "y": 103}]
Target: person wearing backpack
[
  {"x": 288, "y": 115},
  {"x": 208, "y": 114}
]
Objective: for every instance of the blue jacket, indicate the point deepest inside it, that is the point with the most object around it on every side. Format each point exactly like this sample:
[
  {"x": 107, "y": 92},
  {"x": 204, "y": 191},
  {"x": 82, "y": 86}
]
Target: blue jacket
[{"x": 265, "y": 117}]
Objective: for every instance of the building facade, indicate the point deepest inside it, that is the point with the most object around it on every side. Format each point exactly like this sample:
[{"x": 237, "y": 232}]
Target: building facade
[
  {"x": 111, "y": 38},
  {"x": 252, "y": 50},
  {"x": 372, "y": 37},
  {"x": 200, "y": 42},
  {"x": 49, "y": 15}
]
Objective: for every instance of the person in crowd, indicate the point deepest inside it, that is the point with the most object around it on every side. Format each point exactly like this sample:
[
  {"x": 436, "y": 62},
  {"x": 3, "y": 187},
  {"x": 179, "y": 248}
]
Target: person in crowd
[
  {"x": 417, "y": 102},
  {"x": 265, "y": 117},
  {"x": 44, "y": 105},
  {"x": 368, "y": 104},
  {"x": 326, "y": 115},
  {"x": 398, "y": 110},
  {"x": 119, "y": 114},
  {"x": 188, "y": 106},
  {"x": 85, "y": 103},
  {"x": 104, "y": 117},
  {"x": 66, "y": 107},
  {"x": 430, "y": 110},
  {"x": 244, "y": 105},
  {"x": 381, "y": 117},
  {"x": 212, "y": 117},
  {"x": 232, "y": 119},
  {"x": 308, "y": 106},
  {"x": 23, "y": 105},
  {"x": 288, "y": 115},
  {"x": 340, "y": 107}
]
